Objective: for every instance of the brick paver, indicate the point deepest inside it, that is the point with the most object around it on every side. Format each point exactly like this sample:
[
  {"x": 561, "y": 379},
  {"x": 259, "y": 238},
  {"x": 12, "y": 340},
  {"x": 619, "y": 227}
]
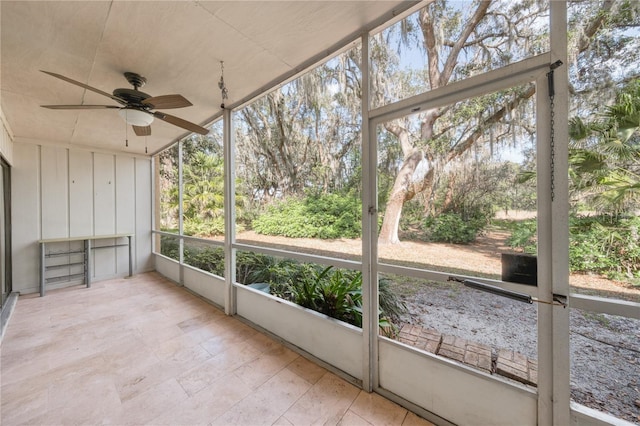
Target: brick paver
[
  {"x": 422, "y": 338},
  {"x": 471, "y": 353},
  {"x": 513, "y": 365},
  {"x": 517, "y": 367}
]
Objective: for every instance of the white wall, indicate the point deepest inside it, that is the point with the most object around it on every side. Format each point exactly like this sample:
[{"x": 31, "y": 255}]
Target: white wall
[
  {"x": 334, "y": 342},
  {"x": 60, "y": 192},
  {"x": 6, "y": 143}
]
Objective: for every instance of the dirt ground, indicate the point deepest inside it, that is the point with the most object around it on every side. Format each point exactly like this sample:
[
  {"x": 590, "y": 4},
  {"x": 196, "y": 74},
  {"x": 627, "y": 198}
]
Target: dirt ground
[{"x": 605, "y": 350}]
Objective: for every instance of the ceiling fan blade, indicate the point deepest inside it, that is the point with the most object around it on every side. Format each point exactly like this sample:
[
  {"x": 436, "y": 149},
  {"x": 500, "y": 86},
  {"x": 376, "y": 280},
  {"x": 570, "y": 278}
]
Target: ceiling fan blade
[
  {"x": 80, "y": 106},
  {"x": 176, "y": 121},
  {"x": 142, "y": 130},
  {"x": 167, "y": 102},
  {"x": 93, "y": 89}
]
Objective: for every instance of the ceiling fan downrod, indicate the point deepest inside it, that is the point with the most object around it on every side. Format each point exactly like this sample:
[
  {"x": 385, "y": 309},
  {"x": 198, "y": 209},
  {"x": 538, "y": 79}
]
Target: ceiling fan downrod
[{"x": 136, "y": 80}]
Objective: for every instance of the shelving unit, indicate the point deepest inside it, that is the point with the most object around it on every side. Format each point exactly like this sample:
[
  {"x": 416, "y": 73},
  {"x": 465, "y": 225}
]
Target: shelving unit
[{"x": 73, "y": 261}]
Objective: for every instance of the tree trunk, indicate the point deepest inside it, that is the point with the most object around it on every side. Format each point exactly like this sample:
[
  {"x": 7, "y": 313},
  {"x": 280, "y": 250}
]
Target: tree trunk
[{"x": 403, "y": 190}]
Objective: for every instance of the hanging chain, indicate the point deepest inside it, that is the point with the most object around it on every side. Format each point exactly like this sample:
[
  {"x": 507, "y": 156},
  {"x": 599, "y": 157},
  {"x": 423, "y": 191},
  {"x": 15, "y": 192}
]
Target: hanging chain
[
  {"x": 222, "y": 86},
  {"x": 552, "y": 145},
  {"x": 552, "y": 136}
]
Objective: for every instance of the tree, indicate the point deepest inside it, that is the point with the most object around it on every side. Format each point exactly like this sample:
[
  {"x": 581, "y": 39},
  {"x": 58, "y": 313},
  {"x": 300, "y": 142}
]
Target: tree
[
  {"x": 202, "y": 184},
  {"x": 459, "y": 42},
  {"x": 303, "y": 136},
  {"x": 605, "y": 153}
]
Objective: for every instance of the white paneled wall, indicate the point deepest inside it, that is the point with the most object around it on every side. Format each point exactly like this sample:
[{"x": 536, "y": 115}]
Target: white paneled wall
[{"x": 60, "y": 192}]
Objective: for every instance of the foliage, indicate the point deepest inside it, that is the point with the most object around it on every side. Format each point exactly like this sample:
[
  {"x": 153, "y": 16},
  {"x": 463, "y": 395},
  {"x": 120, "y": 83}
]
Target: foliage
[
  {"x": 259, "y": 268},
  {"x": 452, "y": 228},
  {"x": 167, "y": 185},
  {"x": 170, "y": 247},
  {"x": 202, "y": 195},
  {"x": 333, "y": 292},
  {"x": 320, "y": 216},
  {"x": 523, "y": 235},
  {"x": 204, "y": 227},
  {"x": 607, "y": 245},
  {"x": 304, "y": 135},
  {"x": 391, "y": 305},
  {"x": 605, "y": 154},
  {"x": 338, "y": 294},
  {"x": 210, "y": 259},
  {"x": 203, "y": 186},
  {"x": 465, "y": 201}
]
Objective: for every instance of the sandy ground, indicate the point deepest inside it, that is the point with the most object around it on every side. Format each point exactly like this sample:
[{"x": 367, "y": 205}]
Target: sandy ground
[{"x": 605, "y": 350}]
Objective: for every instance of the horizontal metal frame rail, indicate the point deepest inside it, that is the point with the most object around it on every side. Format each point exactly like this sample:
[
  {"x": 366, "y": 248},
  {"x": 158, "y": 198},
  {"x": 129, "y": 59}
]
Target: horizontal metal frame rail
[{"x": 588, "y": 303}]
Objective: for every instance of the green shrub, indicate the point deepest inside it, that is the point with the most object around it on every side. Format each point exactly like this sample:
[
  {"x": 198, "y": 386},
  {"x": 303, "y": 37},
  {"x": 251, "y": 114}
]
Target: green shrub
[
  {"x": 452, "y": 228},
  {"x": 604, "y": 245},
  {"x": 204, "y": 228},
  {"x": 523, "y": 236},
  {"x": 210, "y": 259},
  {"x": 170, "y": 247},
  {"x": 325, "y": 216}
]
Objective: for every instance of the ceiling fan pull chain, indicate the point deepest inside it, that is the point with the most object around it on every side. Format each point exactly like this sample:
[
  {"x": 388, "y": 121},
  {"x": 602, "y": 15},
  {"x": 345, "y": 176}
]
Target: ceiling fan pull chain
[{"x": 126, "y": 133}]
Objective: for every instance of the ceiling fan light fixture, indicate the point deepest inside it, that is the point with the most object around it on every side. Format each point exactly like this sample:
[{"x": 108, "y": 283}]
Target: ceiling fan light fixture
[{"x": 136, "y": 117}]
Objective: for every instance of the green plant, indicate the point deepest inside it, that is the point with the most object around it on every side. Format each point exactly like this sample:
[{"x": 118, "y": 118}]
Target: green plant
[
  {"x": 210, "y": 259},
  {"x": 391, "y": 305},
  {"x": 607, "y": 245},
  {"x": 523, "y": 236},
  {"x": 452, "y": 228},
  {"x": 170, "y": 247},
  {"x": 319, "y": 216},
  {"x": 204, "y": 227},
  {"x": 338, "y": 294}
]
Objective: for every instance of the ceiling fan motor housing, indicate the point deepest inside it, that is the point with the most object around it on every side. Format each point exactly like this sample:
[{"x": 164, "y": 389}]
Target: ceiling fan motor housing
[{"x": 132, "y": 97}]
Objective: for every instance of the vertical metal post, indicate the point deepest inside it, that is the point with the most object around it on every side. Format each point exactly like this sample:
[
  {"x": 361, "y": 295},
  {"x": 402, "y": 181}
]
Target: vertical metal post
[
  {"x": 180, "y": 215},
  {"x": 553, "y": 232},
  {"x": 156, "y": 220},
  {"x": 560, "y": 218},
  {"x": 88, "y": 242},
  {"x": 130, "y": 257},
  {"x": 545, "y": 341},
  {"x": 42, "y": 269},
  {"x": 369, "y": 232},
  {"x": 230, "y": 307}
]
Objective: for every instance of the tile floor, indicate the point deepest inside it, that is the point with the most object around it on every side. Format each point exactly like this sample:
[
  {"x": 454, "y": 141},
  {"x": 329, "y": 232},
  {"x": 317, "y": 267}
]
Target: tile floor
[{"x": 143, "y": 351}]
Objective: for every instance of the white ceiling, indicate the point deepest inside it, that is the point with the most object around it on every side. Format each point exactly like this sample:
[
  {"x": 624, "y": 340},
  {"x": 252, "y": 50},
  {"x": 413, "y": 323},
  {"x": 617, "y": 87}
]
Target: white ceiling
[{"x": 176, "y": 45}]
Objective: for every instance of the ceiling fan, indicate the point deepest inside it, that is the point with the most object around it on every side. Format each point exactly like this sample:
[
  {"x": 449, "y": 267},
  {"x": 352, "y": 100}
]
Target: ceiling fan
[{"x": 137, "y": 108}]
